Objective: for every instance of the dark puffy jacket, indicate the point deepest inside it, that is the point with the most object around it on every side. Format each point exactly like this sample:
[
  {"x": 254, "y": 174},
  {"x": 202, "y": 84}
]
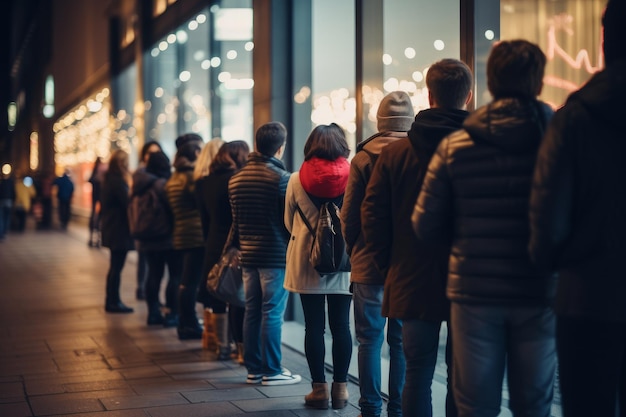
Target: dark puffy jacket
[
  {"x": 415, "y": 272},
  {"x": 257, "y": 196},
  {"x": 476, "y": 196},
  {"x": 578, "y": 204}
]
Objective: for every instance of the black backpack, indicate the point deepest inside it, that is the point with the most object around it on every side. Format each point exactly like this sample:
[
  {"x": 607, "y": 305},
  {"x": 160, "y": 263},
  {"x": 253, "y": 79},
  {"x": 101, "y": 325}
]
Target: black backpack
[
  {"x": 148, "y": 215},
  {"x": 328, "y": 251}
]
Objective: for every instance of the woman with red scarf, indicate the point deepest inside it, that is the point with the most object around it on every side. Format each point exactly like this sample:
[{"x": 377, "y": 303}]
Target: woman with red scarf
[{"x": 322, "y": 177}]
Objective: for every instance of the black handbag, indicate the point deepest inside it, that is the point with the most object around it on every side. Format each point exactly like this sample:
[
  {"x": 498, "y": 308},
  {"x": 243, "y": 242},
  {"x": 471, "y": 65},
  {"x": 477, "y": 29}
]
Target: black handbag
[{"x": 225, "y": 279}]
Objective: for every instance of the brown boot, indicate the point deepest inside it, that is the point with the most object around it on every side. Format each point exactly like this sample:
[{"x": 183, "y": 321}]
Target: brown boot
[
  {"x": 318, "y": 398},
  {"x": 209, "y": 338},
  {"x": 339, "y": 394}
]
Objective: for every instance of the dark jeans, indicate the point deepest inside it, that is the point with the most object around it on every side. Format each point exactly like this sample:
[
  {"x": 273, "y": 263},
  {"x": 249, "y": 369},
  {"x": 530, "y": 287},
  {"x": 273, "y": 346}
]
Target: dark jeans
[
  {"x": 142, "y": 270},
  {"x": 235, "y": 317},
  {"x": 188, "y": 290},
  {"x": 114, "y": 277},
  {"x": 314, "y": 307},
  {"x": 592, "y": 366},
  {"x": 65, "y": 212},
  {"x": 489, "y": 339},
  {"x": 421, "y": 347},
  {"x": 156, "y": 267},
  {"x": 20, "y": 219}
]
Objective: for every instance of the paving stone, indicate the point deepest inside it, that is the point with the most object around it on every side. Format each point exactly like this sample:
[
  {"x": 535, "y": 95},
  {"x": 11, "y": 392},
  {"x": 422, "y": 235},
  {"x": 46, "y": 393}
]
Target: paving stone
[
  {"x": 18, "y": 409},
  {"x": 223, "y": 395},
  {"x": 143, "y": 401}
]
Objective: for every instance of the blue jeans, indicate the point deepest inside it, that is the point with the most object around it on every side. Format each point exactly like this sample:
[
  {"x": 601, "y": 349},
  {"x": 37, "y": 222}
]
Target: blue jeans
[
  {"x": 266, "y": 299},
  {"x": 370, "y": 333},
  {"x": 488, "y": 339},
  {"x": 421, "y": 346}
]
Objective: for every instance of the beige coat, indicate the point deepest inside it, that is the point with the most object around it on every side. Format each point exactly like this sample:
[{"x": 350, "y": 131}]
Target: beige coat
[{"x": 300, "y": 276}]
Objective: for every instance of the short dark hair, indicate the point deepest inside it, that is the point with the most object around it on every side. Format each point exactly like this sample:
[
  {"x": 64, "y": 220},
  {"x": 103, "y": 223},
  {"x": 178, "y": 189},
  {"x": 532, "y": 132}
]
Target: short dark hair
[
  {"x": 189, "y": 151},
  {"x": 326, "y": 142},
  {"x": 515, "y": 69},
  {"x": 231, "y": 155},
  {"x": 449, "y": 82},
  {"x": 270, "y": 137}
]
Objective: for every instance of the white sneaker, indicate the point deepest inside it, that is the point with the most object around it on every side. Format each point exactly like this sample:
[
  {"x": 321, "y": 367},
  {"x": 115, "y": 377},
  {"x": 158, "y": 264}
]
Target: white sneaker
[
  {"x": 254, "y": 378},
  {"x": 283, "y": 378}
]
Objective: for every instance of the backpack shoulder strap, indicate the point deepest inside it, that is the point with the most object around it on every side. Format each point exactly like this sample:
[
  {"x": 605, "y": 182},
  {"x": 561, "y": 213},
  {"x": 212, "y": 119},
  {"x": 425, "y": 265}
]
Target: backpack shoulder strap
[{"x": 306, "y": 221}]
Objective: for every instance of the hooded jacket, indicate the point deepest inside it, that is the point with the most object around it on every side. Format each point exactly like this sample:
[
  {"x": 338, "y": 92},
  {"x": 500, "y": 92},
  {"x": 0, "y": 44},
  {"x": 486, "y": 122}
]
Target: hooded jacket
[
  {"x": 475, "y": 197},
  {"x": 415, "y": 272},
  {"x": 578, "y": 203}
]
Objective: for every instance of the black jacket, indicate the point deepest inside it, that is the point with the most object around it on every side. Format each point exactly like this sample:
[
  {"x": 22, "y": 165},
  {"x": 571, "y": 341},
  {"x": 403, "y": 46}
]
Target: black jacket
[
  {"x": 475, "y": 196},
  {"x": 114, "y": 217},
  {"x": 415, "y": 272},
  {"x": 257, "y": 196},
  {"x": 215, "y": 212},
  {"x": 578, "y": 204}
]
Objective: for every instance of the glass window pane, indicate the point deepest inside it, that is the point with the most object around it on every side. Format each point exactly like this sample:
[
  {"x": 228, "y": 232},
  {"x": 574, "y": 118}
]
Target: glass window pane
[
  {"x": 568, "y": 31},
  {"x": 411, "y": 43},
  {"x": 333, "y": 62}
]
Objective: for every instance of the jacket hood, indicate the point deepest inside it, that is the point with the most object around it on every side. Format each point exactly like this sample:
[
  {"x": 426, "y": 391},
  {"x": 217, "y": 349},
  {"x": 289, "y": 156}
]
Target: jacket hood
[
  {"x": 323, "y": 178},
  {"x": 375, "y": 144},
  {"x": 432, "y": 125},
  {"x": 142, "y": 180},
  {"x": 603, "y": 95},
  {"x": 512, "y": 124}
]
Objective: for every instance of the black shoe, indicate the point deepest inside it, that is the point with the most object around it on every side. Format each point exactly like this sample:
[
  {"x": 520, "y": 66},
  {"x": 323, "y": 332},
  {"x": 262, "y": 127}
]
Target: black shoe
[
  {"x": 155, "y": 318},
  {"x": 170, "y": 320},
  {"x": 118, "y": 308},
  {"x": 189, "y": 333},
  {"x": 140, "y": 294}
]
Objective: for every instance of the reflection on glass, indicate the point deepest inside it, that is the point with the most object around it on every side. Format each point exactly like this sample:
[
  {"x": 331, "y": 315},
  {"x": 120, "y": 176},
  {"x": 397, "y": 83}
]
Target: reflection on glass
[{"x": 568, "y": 31}]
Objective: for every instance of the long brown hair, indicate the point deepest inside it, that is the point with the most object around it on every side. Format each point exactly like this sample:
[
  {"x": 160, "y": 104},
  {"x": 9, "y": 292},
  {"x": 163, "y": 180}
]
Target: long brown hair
[
  {"x": 232, "y": 155},
  {"x": 118, "y": 165}
]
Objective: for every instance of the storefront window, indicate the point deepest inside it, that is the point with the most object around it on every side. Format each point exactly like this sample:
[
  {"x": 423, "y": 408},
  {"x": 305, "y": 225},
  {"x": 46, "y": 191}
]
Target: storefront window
[
  {"x": 124, "y": 124},
  {"x": 199, "y": 78},
  {"x": 412, "y": 41},
  {"x": 568, "y": 31}
]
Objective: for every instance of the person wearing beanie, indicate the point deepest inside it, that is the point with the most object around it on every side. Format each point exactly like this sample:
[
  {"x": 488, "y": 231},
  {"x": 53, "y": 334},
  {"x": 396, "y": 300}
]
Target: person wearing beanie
[
  {"x": 322, "y": 178},
  {"x": 413, "y": 274},
  {"x": 578, "y": 228},
  {"x": 394, "y": 117}
]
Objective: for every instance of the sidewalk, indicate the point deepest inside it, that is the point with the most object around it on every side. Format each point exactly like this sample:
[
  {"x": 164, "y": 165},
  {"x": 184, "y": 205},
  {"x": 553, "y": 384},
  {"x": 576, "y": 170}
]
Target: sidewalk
[{"x": 62, "y": 355}]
